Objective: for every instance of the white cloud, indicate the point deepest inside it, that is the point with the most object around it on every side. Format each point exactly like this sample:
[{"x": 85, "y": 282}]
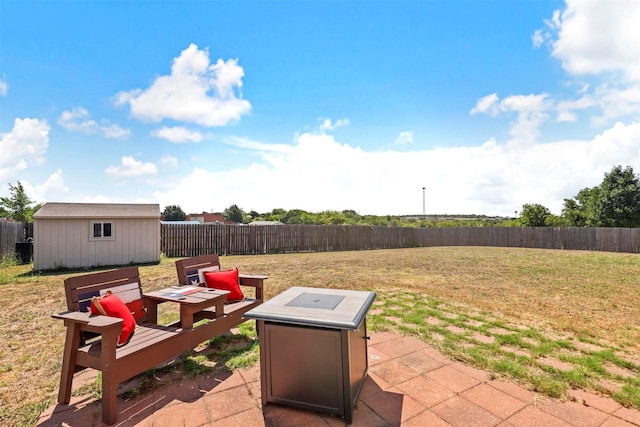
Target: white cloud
[
  {"x": 177, "y": 134},
  {"x": 327, "y": 125},
  {"x": 4, "y": 87},
  {"x": 53, "y": 188},
  {"x": 115, "y": 132},
  {"x": 130, "y": 167},
  {"x": 404, "y": 138},
  {"x": 530, "y": 110},
  {"x": 490, "y": 179},
  {"x": 566, "y": 108},
  {"x": 194, "y": 92},
  {"x": 79, "y": 120},
  {"x": 25, "y": 145},
  {"x": 592, "y": 37},
  {"x": 169, "y": 161},
  {"x": 257, "y": 146},
  {"x": 543, "y": 35},
  {"x": 598, "y": 40},
  {"x": 538, "y": 38},
  {"x": 488, "y": 104},
  {"x": 615, "y": 103}
]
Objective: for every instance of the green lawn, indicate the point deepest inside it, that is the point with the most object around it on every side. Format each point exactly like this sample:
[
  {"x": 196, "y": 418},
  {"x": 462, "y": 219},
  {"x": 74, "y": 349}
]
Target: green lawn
[{"x": 549, "y": 319}]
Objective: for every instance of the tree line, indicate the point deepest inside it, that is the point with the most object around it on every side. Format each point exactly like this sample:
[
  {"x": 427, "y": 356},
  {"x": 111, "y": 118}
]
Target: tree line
[{"x": 613, "y": 203}]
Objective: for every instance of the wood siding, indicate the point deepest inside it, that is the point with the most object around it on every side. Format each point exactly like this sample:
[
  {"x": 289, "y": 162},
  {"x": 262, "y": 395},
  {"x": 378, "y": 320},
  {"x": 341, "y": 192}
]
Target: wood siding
[
  {"x": 65, "y": 243},
  {"x": 194, "y": 240}
]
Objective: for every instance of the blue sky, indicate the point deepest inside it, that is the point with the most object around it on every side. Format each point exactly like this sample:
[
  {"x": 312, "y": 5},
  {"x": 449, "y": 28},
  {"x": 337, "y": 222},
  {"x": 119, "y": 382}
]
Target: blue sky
[{"x": 318, "y": 105}]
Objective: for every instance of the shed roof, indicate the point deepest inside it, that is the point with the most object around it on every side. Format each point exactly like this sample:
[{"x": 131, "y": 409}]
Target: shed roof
[
  {"x": 266, "y": 223},
  {"x": 97, "y": 210},
  {"x": 180, "y": 222}
]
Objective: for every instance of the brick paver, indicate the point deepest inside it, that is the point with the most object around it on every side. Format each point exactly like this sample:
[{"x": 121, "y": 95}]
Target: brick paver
[
  {"x": 455, "y": 380},
  {"x": 493, "y": 400},
  {"x": 574, "y": 413},
  {"x": 534, "y": 417},
  {"x": 459, "y": 412}
]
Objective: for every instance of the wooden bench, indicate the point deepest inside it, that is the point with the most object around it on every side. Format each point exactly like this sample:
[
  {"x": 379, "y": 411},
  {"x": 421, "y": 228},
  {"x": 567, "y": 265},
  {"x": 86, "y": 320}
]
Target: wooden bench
[
  {"x": 187, "y": 270},
  {"x": 91, "y": 339}
]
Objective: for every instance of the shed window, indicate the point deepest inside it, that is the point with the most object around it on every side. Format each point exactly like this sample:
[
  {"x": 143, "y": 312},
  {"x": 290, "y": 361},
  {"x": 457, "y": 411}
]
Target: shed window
[{"x": 101, "y": 231}]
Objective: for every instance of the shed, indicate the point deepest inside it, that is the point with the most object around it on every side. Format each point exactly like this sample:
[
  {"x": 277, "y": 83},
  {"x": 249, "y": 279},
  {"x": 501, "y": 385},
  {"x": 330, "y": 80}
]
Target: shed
[{"x": 83, "y": 235}]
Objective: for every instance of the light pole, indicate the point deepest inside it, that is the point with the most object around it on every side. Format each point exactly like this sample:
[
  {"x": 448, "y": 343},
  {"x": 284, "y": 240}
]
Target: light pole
[{"x": 423, "y": 211}]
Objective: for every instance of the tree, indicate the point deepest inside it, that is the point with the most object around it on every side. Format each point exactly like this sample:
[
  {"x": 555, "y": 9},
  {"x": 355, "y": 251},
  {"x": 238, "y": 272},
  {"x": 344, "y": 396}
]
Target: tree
[
  {"x": 614, "y": 203},
  {"x": 556, "y": 221},
  {"x": 294, "y": 216},
  {"x": 233, "y": 213},
  {"x": 578, "y": 211},
  {"x": 174, "y": 213},
  {"x": 18, "y": 205},
  {"x": 617, "y": 203},
  {"x": 534, "y": 215},
  {"x": 275, "y": 215}
]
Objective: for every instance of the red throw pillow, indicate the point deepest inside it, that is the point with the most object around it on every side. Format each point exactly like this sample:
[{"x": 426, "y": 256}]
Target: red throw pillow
[
  {"x": 111, "y": 305},
  {"x": 226, "y": 280}
]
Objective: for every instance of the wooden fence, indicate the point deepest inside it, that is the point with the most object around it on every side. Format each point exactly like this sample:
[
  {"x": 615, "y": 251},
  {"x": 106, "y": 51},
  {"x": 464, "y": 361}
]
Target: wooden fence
[
  {"x": 10, "y": 234},
  {"x": 192, "y": 240}
]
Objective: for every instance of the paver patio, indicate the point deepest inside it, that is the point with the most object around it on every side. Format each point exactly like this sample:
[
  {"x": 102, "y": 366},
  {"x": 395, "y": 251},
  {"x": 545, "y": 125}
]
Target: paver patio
[{"x": 409, "y": 384}]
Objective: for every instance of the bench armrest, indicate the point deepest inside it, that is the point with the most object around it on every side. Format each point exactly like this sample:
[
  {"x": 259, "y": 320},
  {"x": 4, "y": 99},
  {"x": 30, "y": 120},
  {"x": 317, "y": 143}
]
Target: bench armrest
[
  {"x": 89, "y": 322},
  {"x": 254, "y": 280}
]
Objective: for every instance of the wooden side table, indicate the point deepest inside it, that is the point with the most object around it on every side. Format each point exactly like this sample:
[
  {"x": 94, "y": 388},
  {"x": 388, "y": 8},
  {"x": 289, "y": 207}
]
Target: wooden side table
[{"x": 192, "y": 299}]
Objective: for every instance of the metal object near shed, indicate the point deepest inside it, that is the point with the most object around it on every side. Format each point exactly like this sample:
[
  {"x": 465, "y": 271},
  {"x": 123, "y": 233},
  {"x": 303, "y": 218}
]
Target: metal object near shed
[{"x": 313, "y": 348}]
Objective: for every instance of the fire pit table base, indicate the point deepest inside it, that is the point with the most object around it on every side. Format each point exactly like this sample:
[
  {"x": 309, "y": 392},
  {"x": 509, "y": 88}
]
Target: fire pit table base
[
  {"x": 314, "y": 358},
  {"x": 313, "y": 368}
]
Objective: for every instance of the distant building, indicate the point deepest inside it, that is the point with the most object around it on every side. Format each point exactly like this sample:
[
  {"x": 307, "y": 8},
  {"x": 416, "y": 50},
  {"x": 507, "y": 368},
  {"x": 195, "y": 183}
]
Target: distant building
[{"x": 83, "y": 235}]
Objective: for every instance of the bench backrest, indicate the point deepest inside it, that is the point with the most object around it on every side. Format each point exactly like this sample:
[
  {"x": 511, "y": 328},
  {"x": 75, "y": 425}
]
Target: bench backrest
[
  {"x": 187, "y": 268},
  {"x": 123, "y": 282}
]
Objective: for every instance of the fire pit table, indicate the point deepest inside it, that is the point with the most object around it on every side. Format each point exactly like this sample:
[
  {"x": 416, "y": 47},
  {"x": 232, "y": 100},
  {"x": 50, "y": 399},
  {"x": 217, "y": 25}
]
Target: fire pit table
[{"x": 313, "y": 348}]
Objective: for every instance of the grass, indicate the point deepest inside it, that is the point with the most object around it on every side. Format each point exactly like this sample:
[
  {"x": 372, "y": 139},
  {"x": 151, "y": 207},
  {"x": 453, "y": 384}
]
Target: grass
[
  {"x": 9, "y": 260},
  {"x": 550, "y": 319}
]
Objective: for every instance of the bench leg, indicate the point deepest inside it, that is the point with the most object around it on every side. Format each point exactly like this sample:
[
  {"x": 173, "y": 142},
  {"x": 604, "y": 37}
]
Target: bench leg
[
  {"x": 109, "y": 403},
  {"x": 109, "y": 383},
  {"x": 71, "y": 343}
]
